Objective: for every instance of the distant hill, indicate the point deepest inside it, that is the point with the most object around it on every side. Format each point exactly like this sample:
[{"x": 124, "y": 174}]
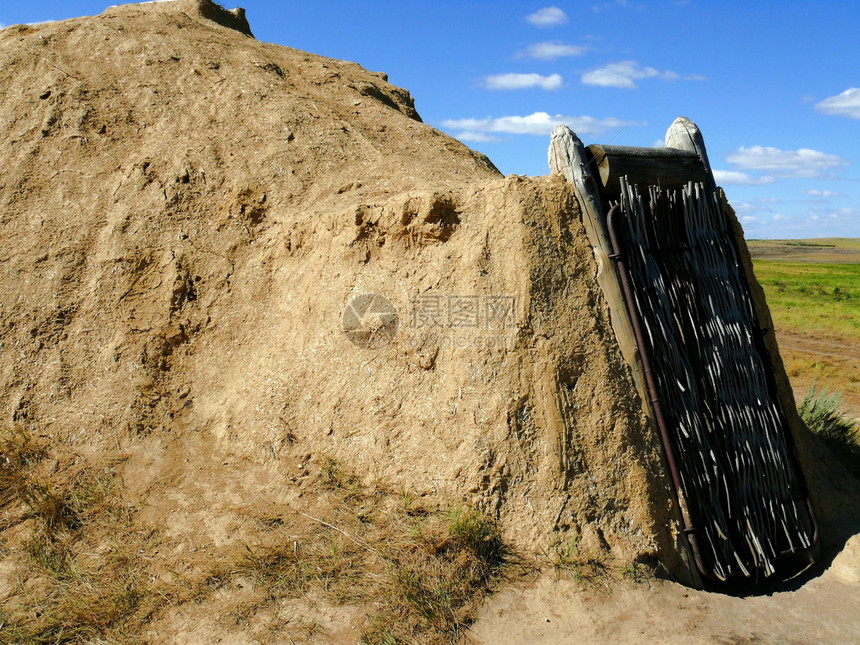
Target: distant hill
[{"x": 833, "y": 249}]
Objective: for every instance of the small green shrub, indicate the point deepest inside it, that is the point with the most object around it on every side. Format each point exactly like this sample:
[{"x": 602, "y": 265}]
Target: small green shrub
[
  {"x": 822, "y": 413},
  {"x": 475, "y": 531}
]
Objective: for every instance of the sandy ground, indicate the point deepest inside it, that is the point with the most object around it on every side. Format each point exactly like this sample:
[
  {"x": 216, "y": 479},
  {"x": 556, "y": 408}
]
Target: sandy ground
[{"x": 817, "y": 608}]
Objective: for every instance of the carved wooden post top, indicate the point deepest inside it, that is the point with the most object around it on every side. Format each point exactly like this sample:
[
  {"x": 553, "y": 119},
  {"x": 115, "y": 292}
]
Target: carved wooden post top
[{"x": 683, "y": 134}]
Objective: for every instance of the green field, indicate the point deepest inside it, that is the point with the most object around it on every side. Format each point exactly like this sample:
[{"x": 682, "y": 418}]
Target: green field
[{"x": 815, "y": 297}]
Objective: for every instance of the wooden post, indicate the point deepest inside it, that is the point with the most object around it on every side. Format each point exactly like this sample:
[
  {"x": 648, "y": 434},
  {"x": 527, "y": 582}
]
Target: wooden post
[
  {"x": 683, "y": 134},
  {"x": 568, "y": 157}
]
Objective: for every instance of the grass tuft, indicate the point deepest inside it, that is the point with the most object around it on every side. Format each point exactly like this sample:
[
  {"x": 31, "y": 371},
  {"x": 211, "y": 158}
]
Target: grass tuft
[
  {"x": 568, "y": 559},
  {"x": 477, "y": 533},
  {"x": 332, "y": 564},
  {"x": 18, "y": 452}
]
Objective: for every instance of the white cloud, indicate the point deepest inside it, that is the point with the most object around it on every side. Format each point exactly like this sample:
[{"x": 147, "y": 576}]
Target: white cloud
[
  {"x": 735, "y": 178},
  {"x": 845, "y": 104},
  {"x": 844, "y": 215},
  {"x": 553, "y": 50},
  {"x": 477, "y": 137},
  {"x": 788, "y": 163},
  {"x": 2, "y": 26},
  {"x": 610, "y": 5},
  {"x": 778, "y": 217},
  {"x": 547, "y": 17},
  {"x": 618, "y": 75},
  {"x": 821, "y": 193},
  {"x": 624, "y": 74},
  {"x": 466, "y": 124},
  {"x": 745, "y": 207},
  {"x": 749, "y": 219},
  {"x": 522, "y": 81},
  {"x": 539, "y": 123}
]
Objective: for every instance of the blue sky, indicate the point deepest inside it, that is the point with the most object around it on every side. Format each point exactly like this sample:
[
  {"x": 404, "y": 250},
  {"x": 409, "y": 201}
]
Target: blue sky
[{"x": 774, "y": 86}]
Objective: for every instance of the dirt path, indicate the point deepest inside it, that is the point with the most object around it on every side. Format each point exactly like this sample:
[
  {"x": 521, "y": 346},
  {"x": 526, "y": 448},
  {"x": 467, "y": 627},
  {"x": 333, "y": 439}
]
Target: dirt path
[
  {"x": 832, "y": 363},
  {"x": 823, "y": 610}
]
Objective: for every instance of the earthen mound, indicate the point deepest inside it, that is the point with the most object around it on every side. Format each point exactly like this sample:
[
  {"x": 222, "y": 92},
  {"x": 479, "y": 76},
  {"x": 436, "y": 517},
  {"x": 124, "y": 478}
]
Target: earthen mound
[{"x": 190, "y": 224}]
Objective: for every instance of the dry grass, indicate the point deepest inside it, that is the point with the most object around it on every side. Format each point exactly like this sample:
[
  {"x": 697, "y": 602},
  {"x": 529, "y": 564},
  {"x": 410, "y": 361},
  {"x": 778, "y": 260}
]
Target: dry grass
[
  {"x": 437, "y": 575},
  {"x": 79, "y": 576},
  {"x": 327, "y": 561},
  {"x": 423, "y": 572},
  {"x": 18, "y": 452},
  {"x": 419, "y": 573}
]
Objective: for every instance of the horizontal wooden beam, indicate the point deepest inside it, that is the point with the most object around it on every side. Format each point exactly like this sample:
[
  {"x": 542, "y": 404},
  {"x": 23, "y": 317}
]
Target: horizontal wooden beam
[{"x": 668, "y": 167}]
